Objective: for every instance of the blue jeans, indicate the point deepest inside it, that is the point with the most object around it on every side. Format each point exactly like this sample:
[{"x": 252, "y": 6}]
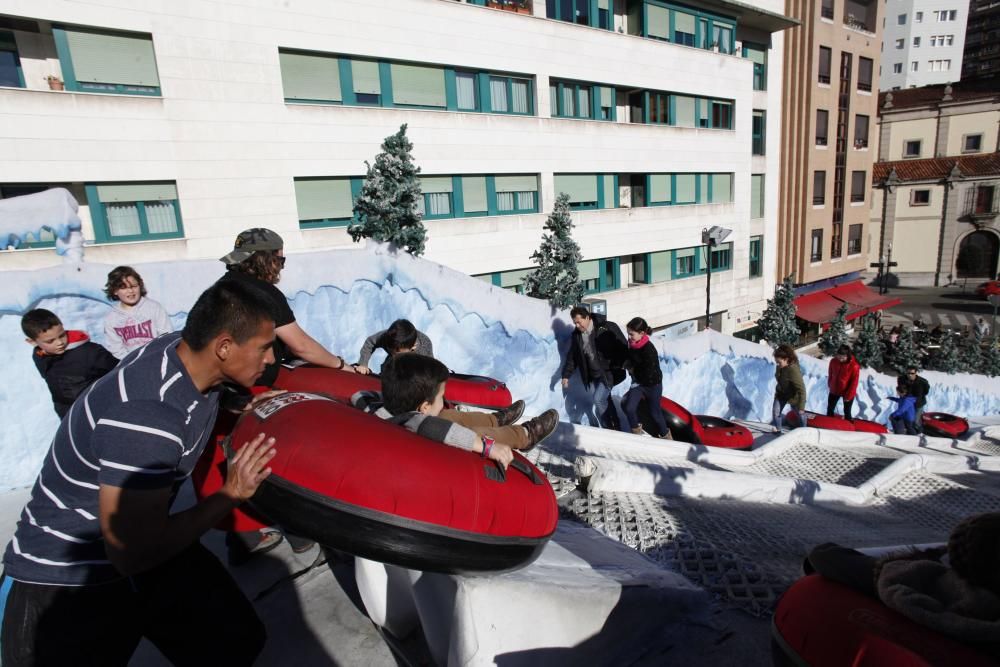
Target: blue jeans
[
  {"x": 776, "y": 411},
  {"x": 652, "y": 394},
  {"x": 600, "y": 394},
  {"x": 901, "y": 426}
]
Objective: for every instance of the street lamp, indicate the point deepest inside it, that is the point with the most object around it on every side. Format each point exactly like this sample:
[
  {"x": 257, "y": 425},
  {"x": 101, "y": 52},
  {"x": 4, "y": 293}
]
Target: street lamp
[{"x": 711, "y": 237}]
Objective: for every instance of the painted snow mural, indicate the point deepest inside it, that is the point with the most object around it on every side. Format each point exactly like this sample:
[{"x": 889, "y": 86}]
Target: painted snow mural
[{"x": 342, "y": 296}]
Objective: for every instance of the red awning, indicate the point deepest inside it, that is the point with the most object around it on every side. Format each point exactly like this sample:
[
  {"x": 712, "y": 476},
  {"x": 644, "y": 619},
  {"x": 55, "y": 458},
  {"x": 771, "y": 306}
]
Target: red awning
[
  {"x": 859, "y": 296},
  {"x": 821, "y": 306},
  {"x": 818, "y": 307}
]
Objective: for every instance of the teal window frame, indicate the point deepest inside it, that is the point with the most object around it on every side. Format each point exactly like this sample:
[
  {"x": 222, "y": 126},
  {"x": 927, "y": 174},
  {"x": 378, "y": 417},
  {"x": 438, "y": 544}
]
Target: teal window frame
[
  {"x": 606, "y": 265},
  {"x": 705, "y": 23},
  {"x": 659, "y": 103},
  {"x": 439, "y": 216},
  {"x": 594, "y": 108},
  {"x": 702, "y": 188},
  {"x": 724, "y": 254},
  {"x": 9, "y": 44},
  {"x": 759, "y": 69},
  {"x": 70, "y": 81},
  {"x": 758, "y": 132},
  {"x": 675, "y": 274},
  {"x": 99, "y": 216},
  {"x": 321, "y": 223},
  {"x": 601, "y": 202},
  {"x": 756, "y": 256},
  {"x": 595, "y": 18}
]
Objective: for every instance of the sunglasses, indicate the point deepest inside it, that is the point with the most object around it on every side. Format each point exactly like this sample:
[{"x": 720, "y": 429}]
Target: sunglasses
[{"x": 281, "y": 261}]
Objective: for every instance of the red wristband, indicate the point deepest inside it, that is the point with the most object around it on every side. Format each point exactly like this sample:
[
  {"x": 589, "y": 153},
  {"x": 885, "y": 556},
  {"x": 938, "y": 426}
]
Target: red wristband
[{"x": 487, "y": 445}]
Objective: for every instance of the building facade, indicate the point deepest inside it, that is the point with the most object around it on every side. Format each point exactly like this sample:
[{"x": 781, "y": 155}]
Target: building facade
[
  {"x": 830, "y": 102},
  {"x": 982, "y": 46},
  {"x": 934, "y": 208},
  {"x": 175, "y": 130},
  {"x": 922, "y": 43}
]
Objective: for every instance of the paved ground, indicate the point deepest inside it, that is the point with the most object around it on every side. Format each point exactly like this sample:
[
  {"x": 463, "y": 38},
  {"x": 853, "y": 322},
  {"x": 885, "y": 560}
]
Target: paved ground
[{"x": 952, "y": 307}]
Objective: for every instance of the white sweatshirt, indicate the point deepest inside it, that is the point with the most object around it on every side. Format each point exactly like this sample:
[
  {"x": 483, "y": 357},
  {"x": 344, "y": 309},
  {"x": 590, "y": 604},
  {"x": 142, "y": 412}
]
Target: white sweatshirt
[{"x": 125, "y": 330}]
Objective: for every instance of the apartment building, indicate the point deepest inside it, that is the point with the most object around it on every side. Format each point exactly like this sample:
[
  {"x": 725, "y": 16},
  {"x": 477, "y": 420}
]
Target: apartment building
[
  {"x": 982, "y": 40},
  {"x": 177, "y": 128},
  {"x": 934, "y": 207},
  {"x": 922, "y": 42}
]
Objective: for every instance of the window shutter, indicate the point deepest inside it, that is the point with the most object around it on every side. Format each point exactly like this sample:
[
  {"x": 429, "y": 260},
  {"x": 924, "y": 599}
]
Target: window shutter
[
  {"x": 659, "y": 266},
  {"x": 365, "y": 74},
  {"x": 136, "y": 192},
  {"x": 474, "y": 194},
  {"x": 307, "y": 77},
  {"x": 579, "y": 187},
  {"x": 722, "y": 188},
  {"x": 604, "y": 4},
  {"x": 757, "y": 196},
  {"x": 685, "y": 189},
  {"x": 756, "y": 55},
  {"x": 324, "y": 198},
  {"x": 684, "y": 111},
  {"x": 659, "y": 188},
  {"x": 434, "y": 184},
  {"x": 513, "y": 278},
  {"x": 589, "y": 270},
  {"x": 609, "y": 190},
  {"x": 113, "y": 58},
  {"x": 683, "y": 22},
  {"x": 607, "y": 96},
  {"x": 528, "y": 183},
  {"x": 659, "y": 22},
  {"x": 418, "y": 85}
]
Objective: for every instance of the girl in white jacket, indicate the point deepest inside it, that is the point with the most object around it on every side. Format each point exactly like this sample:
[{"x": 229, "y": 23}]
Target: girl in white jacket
[{"x": 134, "y": 320}]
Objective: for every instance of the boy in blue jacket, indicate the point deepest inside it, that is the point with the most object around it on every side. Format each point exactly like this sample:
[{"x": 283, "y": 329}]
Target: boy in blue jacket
[{"x": 903, "y": 419}]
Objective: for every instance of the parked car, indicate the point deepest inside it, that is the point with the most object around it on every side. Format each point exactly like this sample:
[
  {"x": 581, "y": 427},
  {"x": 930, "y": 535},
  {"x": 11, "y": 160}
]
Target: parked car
[{"x": 988, "y": 288}]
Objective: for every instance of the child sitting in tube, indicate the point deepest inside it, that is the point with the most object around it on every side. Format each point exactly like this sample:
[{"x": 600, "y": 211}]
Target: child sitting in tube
[{"x": 413, "y": 396}]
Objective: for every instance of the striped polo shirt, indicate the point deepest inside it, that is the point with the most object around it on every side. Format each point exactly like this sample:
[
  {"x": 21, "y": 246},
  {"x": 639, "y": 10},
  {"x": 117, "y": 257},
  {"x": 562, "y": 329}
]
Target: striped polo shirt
[{"x": 141, "y": 426}]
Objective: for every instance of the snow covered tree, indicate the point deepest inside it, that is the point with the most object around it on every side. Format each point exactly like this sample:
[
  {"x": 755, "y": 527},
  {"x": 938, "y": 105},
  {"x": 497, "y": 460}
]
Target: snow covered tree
[
  {"x": 991, "y": 358},
  {"x": 836, "y": 334},
  {"x": 868, "y": 347},
  {"x": 556, "y": 276},
  {"x": 946, "y": 358},
  {"x": 387, "y": 208},
  {"x": 906, "y": 353},
  {"x": 970, "y": 353},
  {"x": 777, "y": 324}
]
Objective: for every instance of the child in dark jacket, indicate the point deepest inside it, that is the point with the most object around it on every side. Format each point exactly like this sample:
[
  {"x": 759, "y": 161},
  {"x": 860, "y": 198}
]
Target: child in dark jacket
[
  {"x": 67, "y": 360},
  {"x": 643, "y": 364},
  {"x": 903, "y": 418}
]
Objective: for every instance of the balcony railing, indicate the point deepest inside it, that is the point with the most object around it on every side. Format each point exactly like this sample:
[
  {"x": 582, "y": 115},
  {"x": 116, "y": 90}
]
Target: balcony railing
[
  {"x": 821, "y": 141},
  {"x": 980, "y": 203},
  {"x": 865, "y": 86},
  {"x": 826, "y": 12},
  {"x": 819, "y": 201},
  {"x": 853, "y": 246},
  {"x": 824, "y": 78},
  {"x": 860, "y": 143}
]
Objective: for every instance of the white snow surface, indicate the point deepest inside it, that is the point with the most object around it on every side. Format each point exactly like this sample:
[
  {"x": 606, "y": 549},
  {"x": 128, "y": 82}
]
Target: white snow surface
[
  {"x": 342, "y": 296},
  {"x": 54, "y": 210}
]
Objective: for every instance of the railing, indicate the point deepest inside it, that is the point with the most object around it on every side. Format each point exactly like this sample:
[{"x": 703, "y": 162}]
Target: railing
[
  {"x": 853, "y": 246},
  {"x": 824, "y": 78},
  {"x": 821, "y": 141},
  {"x": 858, "y": 24},
  {"x": 980, "y": 203},
  {"x": 519, "y": 6},
  {"x": 819, "y": 201},
  {"x": 826, "y": 12},
  {"x": 860, "y": 143},
  {"x": 855, "y": 197},
  {"x": 867, "y": 87}
]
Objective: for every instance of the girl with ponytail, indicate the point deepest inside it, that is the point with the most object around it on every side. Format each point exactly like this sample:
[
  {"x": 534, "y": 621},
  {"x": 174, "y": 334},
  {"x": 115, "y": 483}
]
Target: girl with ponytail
[{"x": 647, "y": 379}]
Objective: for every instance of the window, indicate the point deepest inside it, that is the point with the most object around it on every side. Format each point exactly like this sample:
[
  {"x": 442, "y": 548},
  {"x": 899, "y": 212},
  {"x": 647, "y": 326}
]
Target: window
[
  {"x": 684, "y": 263},
  {"x": 911, "y": 148},
  {"x": 914, "y": 66},
  {"x": 10, "y": 63},
  {"x": 939, "y": 65},
  {"x": 583, "y": 190},
  {"x": 757, "y": 195},
  {"x": 916, "y": 42},
  {"x": 945, "y": 15},
  {"x": 722, "y": 257},
  {"x": 720, "y": 189},
  {"x": 757, "y": 133},
  {"x": 437, "y": 200},
  {"x": 517, "y": 194},
  {"x": 901, "y": 19},
  {"x": 899, "y": 43},
  {"x": 756, "y": 260},
  {"x": 918, "y": 17},
  {"x": 949, "y": 40},
  {"x": 816, "y": 251},
  {"x": 685, "y": 188},
  {"x": 579, "y": 11},
  {"x": 466, "y": 93},
  {"x": 920, "y": 197},
  {"x": 134, "y": 211},
  {"x": 757, "y": 54},
  {"x": 897, "y": 68},
  {"x": 825, "y": 56},
  {"x": 984, "y": 199},
  {"x": 819, "y": 188},
  {"x": 104, "y": 61},
  {"x": 325, "y": 202},
  {"x": 822, "y": 121},
  {"x": 826, "y": 9},
  {"x": 972, "y": 143},
  {"x": 858, "y": 185},
  {"x": 722, "y": 115},
  {"x": 861, "y": 131},
  {"x": 854, "y": 239},
  {"x": 684, "y": 28},
  {"x": 865, "y": 66},
  {"x": 571, "y": 99},
  {"x": 599, "y": 275},
  {"x": 510, "y": 95}
]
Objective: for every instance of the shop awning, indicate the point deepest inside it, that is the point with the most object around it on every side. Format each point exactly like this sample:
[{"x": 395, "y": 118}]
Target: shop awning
[
  {"x": 821, "y": 306},
  {"x": 859, "y": 295},
  {"x": 818, "y": 307}
]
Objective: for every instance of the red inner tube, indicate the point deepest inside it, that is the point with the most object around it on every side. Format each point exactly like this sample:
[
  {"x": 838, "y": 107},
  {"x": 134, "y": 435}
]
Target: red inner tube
[{"x": 944, "y": 424}]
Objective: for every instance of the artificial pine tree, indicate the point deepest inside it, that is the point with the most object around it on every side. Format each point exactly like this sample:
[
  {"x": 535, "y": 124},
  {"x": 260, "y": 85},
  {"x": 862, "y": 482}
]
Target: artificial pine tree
[
  {"x": 386, "y": 209},
  {"x": 836, "y": 334},
  {"x": 777, "y": 324},
  {"x": 556, "y": 276},
  {"x": 906, "y": 353},
  {"x": 991, "y": 358},
  {"x": 946, "y": 358},
  {"x": 868, "y": 347},
  {"x": 971, "y": 355}
]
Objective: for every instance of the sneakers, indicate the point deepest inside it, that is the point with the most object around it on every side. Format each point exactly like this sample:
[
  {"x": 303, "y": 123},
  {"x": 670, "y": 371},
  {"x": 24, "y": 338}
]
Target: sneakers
[
  {"x": 540, "y": 428},
  {"x": 240, "y": 552},
  {"x": 509, "y": 415},
  {"x": 637, "y": 430}
]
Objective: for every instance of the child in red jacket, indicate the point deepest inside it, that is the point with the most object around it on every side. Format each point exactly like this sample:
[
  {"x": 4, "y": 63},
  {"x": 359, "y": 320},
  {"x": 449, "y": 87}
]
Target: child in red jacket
[{"x": 843, "y": 380}]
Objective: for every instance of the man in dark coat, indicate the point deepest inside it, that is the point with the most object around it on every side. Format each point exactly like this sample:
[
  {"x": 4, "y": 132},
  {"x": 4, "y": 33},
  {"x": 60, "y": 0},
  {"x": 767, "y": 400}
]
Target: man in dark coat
[
  {"x": 598, "y": 351},
  {"x": 917, "y": 387}
]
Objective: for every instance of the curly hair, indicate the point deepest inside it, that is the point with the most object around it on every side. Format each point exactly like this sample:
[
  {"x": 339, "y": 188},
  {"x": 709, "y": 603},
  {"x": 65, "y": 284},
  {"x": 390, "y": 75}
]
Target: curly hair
[
  {"x": 974, "y": 550},
  {"x": 264, "y": 265},
  {"x": 786, "y": 352},
  {"x": 117, "y": 278}
]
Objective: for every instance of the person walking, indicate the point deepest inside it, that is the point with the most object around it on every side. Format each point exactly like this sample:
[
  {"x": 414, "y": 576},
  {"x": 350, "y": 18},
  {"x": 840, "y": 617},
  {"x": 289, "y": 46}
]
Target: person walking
[
  {"x": 843, "y": 381},
  {"x": 598, "y": 350},
  {"x": 790, "y": 389},
  {"x": 647, "y": 379}
]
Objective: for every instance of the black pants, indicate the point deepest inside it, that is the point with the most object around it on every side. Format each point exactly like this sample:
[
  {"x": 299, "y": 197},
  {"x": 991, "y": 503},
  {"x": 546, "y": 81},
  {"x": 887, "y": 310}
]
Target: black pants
[
  {"x": 845, "y": 566},
  {"x": 189, "y": 607},
  {"x": 831, "y": 403}
]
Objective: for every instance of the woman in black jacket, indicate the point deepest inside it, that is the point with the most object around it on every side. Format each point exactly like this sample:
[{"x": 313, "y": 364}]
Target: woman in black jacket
[{"x": 647, "y": 378}]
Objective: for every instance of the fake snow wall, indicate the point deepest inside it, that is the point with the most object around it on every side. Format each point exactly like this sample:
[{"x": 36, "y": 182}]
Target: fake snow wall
[{"x": 340, "y": 297}]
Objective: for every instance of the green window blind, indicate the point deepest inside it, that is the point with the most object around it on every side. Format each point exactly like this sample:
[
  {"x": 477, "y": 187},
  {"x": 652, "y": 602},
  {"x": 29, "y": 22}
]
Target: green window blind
[
  {"x": 603, "y": 4},
  {"x": 324, "y": 198},
  {"x": 137, "y": 192},
  {"x": 579, "y": 187},
  {"x": 684, "y": 111},
  {"x": 607, "y": 96},
  {"x": 474, "y": 194},
  {"x": 722, "y": 188},
  {"x": 757, "y": 196},
  {"x": 589, "y": 270},
  {"x": 683, "y": 22},
  {"x": 704, "y": 113},
  {"x": 527, "y": 183},
  {"x": 758, "y": 56},
  {"x": 609, "y": 191},
  {"x": 113, "y": 58},
  {"x": 513, "y": 278},
  {"x": 432, "y": 184},
  {"x": 658, "y": 22},
  {"x": 659, "y": 188},
  {"x": 365, "y": 74},
  {"x": 703, "y": 188},
  {"x": 684, "y": 252},
  {"x": 307, "y": 77},
  {"x": 659, "y": 266},
  {"x": 685, "y": 189},
  {"x": 418, "y": 85}
]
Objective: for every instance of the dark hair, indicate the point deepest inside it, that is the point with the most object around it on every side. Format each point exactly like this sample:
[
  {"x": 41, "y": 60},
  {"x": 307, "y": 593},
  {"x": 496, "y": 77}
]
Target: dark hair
[
  {"x": 638, "y": 324},
  {"x": 901, "y": 387},
  {"x": 37, "y": 321},
  {"x": 845, "y": 350},
  {"x": 264, "y": 265},
  {"x": 974, "y": 550},
  {"x": 409, "y": 380},
  {"x": 116, "y": 281},
  {"x": 226, "y": 307},
  {"x": 401, "y": 335},
  {"x": 579, "y": 310},
  {"x": 912, "y": 368},
  {"x": 786, "y": 352}
]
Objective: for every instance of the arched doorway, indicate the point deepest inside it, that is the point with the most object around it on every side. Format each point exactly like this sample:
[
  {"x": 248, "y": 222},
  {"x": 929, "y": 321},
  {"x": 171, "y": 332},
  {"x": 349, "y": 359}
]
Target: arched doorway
[{"x": 977, "y": 255}]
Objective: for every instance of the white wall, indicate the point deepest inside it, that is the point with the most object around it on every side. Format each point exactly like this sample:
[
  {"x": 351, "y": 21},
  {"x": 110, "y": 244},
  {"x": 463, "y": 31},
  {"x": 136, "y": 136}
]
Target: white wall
[{"x": 924, "y": 53}]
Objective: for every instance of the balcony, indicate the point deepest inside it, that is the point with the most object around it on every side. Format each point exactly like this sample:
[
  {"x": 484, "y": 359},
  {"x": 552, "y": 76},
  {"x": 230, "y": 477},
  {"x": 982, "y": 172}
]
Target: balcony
[
  {"x": 861, "y": 15},
  {"x": 516, "y": 6},
  {"x": 980, "y": 204}
]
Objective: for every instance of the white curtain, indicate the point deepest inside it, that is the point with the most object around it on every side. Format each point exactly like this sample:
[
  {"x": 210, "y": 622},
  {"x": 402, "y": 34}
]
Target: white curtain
[
  {"x": 505, "y": 201},
  {"x": 465, "y": 86},
  {"x": 498, "y": 94},
  {"x": 438, "y": 203},
  {"x": 161, "y": 217},
  {"x": 520, "y": 93},
  {"x": 525, "y": 201},
  {"x": 123, "y": 219}
]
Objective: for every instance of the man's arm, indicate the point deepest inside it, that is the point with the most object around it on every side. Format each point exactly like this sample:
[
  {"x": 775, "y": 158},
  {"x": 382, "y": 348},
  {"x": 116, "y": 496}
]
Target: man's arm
[
  {"x": 139, "y": 531},
  {"x": 304, "y": 346}
]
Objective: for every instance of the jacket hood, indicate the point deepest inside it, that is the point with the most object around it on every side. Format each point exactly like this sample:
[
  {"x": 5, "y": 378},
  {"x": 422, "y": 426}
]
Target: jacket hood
[{"x": 75, "y": 339}]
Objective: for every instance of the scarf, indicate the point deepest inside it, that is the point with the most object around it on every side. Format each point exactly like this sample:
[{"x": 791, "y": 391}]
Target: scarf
[{"x": 635, "y": 345}]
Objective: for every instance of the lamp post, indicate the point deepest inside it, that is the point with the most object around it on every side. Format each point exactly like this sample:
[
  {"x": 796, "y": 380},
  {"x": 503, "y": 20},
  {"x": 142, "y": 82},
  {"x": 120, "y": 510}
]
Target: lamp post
[{"x": 711, "y": 237}]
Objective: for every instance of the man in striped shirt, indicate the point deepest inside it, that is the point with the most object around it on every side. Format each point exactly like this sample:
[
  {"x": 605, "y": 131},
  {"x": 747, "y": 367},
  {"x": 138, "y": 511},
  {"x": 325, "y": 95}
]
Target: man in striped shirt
[{"x": 98, "y": 560}]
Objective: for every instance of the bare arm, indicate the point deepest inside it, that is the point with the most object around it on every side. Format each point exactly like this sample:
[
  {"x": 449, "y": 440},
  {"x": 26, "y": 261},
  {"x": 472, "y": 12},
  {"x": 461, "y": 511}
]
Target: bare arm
[
  {"x": 139, "y": 531},
  {"x": 304, "y": 346}
]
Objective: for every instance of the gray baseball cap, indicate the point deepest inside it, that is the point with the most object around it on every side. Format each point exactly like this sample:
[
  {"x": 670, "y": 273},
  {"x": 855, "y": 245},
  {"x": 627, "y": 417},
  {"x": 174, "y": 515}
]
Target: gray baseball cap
[{"x": 250, "y": 241}]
